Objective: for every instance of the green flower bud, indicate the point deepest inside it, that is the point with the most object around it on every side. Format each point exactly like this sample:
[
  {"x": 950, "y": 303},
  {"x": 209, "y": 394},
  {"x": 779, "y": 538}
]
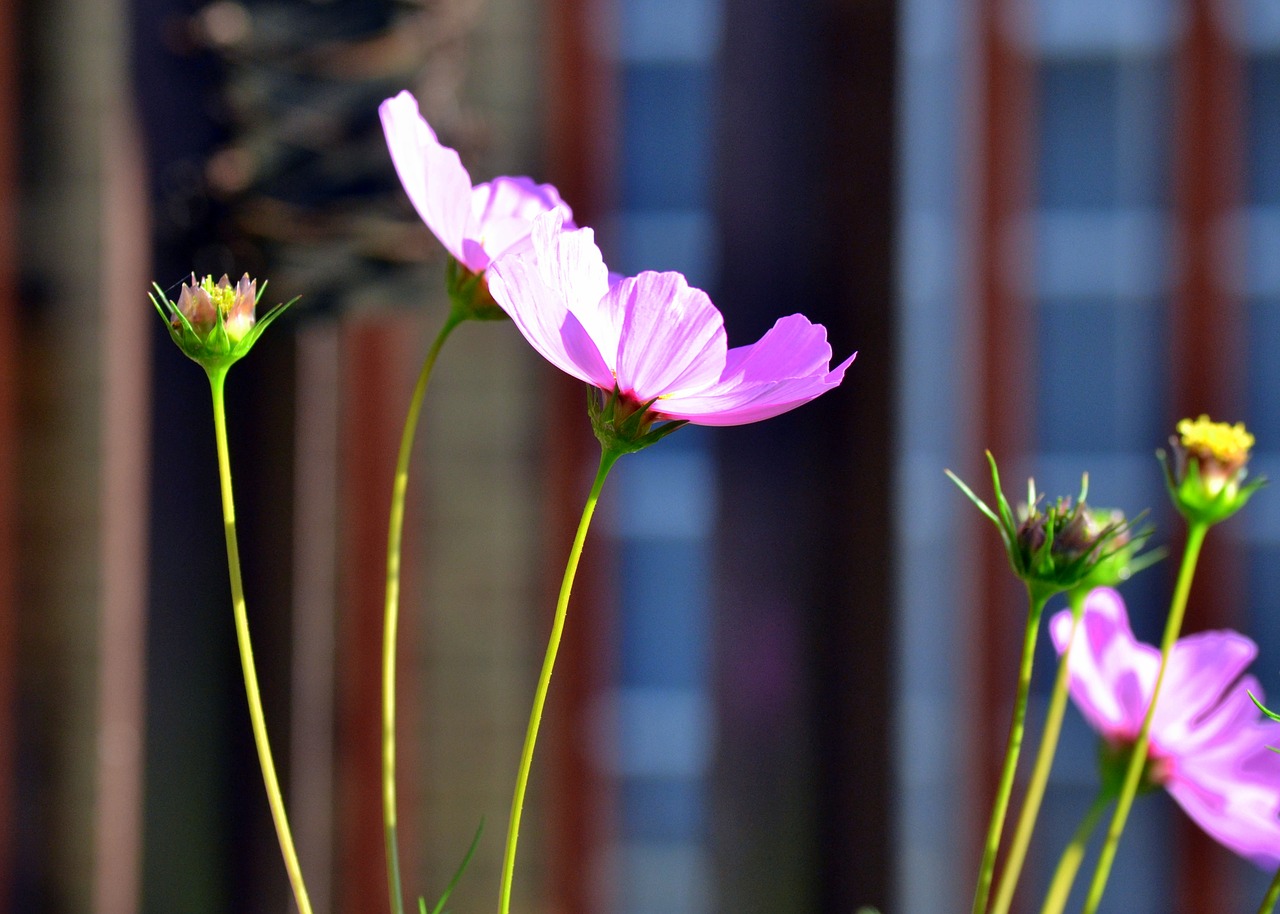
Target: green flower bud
[
  {"x": 1063, "y": 545},
  {"x": 215, "y": 324},
  {"x": 1206, "y": 481}
]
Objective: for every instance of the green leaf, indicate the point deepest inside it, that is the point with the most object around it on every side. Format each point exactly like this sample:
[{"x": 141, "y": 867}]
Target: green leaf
[{"x": 453, "y": 883}]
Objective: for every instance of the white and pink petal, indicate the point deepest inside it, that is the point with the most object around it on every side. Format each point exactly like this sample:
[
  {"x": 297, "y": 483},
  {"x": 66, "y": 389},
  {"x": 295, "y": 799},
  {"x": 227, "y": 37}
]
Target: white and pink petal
[
  {"x": 433, "y": 176},
  {"x": 672, "y": 336}
]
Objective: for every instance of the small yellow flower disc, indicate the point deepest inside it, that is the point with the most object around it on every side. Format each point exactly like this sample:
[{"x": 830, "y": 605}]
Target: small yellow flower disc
[{"x": 1229, "y": 444}]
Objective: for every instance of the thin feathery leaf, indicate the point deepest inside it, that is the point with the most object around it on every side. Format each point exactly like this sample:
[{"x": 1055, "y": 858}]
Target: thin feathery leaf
[
  {"x": 453, "y": 883},
  {"x": 1264, "y": 709},
  {"x": 978, "y": 502},
  {"x": 1009, "y": 525}
]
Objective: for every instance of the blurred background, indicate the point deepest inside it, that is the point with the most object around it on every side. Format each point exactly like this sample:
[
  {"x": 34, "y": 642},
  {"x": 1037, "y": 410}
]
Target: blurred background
[{"x": 1049, "y": 227}]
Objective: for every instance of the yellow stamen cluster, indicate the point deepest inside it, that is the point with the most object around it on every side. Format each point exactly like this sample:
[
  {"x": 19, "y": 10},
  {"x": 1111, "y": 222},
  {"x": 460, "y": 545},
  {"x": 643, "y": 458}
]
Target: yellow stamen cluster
[
  {"x": 223, "y": 295},
  {"x": 1228, "y": 444}
]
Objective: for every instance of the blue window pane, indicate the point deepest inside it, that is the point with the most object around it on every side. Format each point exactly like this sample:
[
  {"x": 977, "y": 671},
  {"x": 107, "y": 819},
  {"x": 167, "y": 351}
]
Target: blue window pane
[
  {"x": 664, "y": 607},
  {"x": 658, "y": 809},
  {"x": 665, "y": 151},
  {"x": 1263, "y": 130},
  {"x": 1078, "y": 143}
]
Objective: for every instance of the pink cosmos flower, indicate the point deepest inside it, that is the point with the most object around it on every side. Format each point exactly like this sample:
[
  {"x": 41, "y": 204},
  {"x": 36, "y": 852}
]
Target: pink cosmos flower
[
  {"x": 653, "y": 336},
  {"x": 1209, "y": 743},
  {"x": 475, "y": 224}
]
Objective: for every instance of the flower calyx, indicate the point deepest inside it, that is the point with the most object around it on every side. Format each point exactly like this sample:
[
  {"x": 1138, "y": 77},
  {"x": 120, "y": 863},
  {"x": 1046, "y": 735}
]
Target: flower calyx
[
  {"x": 215, "y": 324},
  {"x": 1210, "y": 462},
  {"x": 469, "y": 294},
  {"x": 1064, "y": 544},
  {"x": 623, "y": 426}
]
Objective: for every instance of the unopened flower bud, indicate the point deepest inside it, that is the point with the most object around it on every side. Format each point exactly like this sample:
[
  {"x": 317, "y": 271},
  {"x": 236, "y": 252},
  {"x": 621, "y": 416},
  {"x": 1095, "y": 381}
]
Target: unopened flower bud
[
  {"x": 215, "y": 323},
  {"x": 1062, "y": 546}
]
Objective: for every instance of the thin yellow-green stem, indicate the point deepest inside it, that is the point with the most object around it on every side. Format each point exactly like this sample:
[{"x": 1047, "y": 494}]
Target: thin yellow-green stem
[
  {"x": 1012, "y": 749},
  {"x": 1269, "y": 900},
  {"x": 391, "y": 613},
  {"x": 1064, "y": 876},
  {"x": 1138, "y": 758},
  {"x": 1040, "y": 772},
  {"x": 217, "y": 378},
  {"x": 607, "y": 460}
]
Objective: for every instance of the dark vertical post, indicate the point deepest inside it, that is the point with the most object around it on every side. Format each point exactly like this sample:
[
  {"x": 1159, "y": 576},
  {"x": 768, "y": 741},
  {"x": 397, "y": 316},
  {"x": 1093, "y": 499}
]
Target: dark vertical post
[
  {"x": 579, "y": 153},
  {"x": 1001, "y": 181},
  {"x": 854, "y": 564},
  {"x": 1206, "y": 318},
  {"x": 804, "y": 629},
  {"x": 8, "y": 438}
]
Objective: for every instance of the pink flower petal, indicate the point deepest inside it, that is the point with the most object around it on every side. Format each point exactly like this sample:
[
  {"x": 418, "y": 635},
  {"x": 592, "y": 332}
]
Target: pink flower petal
[
  {"x": 1235, "y": 795},
  {"x": 1201, "y": 667},
  {"x": 1111, "y": 675},
  {"x": 751, "y": 402},
  {"x": 1212, "y": 741},
  {"x": 433, "y": 176},
  {"x": 794, "y": 347},
  {"x": 672, "y": 336},
  {"x": 541, "y": 289},
  {"x": 502, "y": 213},
  {"x": 787, "y": 367}
]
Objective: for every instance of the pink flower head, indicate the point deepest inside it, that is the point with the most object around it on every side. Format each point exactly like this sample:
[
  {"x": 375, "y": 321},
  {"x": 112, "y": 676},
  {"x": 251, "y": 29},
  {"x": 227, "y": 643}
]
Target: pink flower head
[
  {"x": 1209, "y": 743},
  {"x": 653, "y": 337},
  {"x": 475, "y": 224}
]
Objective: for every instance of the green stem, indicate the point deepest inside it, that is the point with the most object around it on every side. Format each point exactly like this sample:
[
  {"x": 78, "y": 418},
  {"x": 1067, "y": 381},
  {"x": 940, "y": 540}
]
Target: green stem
[
  {"x": 607, "y": 460},
  {"x": 1014, "y": 746},
  {"x": 217, "y": 379},
  {"x": 1064, "y": 876},
  {"x": 1269, "y": 900},
  {"x": 1040, "y": 773},
  {"x": 1137, "y": 760},
  {"x": 391, "y": 613}
]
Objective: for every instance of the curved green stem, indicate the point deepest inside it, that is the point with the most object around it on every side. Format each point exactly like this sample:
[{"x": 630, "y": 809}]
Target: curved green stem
[
  {"x": 1040, "y": 773},
  {"x": 1269, "y": 900},
  {"x": 217, "y": 378},
  {"x": 607, "y": 460},
  {"x": 391, "y": 613},
  {"x": 1064, "y": 876},
  {"x": 1196, "y": 531},
  {"x": 1013, "y": 747}
]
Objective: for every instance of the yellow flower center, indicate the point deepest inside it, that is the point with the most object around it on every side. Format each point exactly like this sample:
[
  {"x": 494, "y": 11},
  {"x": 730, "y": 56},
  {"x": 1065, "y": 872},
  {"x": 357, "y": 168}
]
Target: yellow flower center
[
  {"x": 222, "y": 295},
  {"x": 1229, "y": 444}
]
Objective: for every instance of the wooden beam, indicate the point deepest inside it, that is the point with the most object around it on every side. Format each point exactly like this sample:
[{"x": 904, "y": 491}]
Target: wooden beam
[{"x": 1207, "y": 322}]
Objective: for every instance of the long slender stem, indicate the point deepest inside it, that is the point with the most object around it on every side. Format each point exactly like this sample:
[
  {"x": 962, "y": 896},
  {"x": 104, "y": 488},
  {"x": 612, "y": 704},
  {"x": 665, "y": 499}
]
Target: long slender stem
[
  {"x": 607, "y": 460},
  {"x": 1014, "y": 746},
  {"x": 1040, "y": 773},
  {"x": 391, "y": 613},
  {"x": 1137, "y": 760},
  {"x": 217, "y": 379},
  {"x": 1069, "y": 864},
  {"x": 1273, "y": 893}
]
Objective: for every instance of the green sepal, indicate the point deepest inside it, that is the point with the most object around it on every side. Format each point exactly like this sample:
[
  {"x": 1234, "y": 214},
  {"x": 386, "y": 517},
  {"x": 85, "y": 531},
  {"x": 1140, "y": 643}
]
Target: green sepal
[
  {"x": 1264, "y": 709},
  {"x": 1193, "y": 499},
  {"x": 622, "y": 427},
  {"x": 1113, "y": 766},
  {"x": 469, "y": 294}
]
